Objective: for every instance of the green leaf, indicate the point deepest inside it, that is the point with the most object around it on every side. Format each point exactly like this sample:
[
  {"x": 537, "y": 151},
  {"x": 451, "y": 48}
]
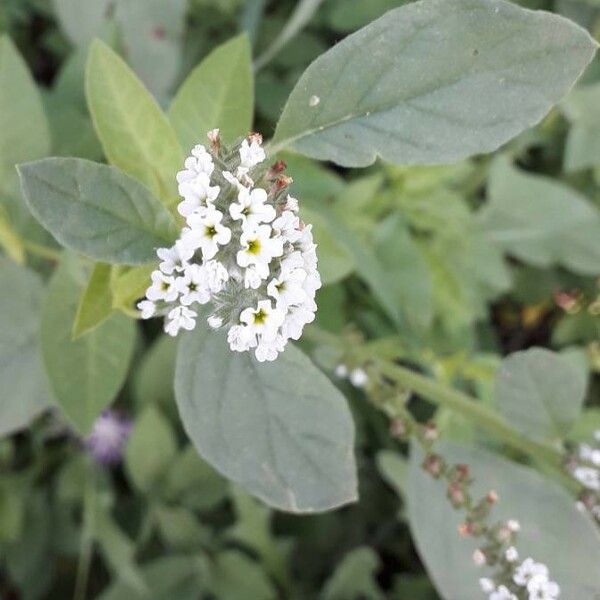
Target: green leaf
[
  {"x": 150, "y": 450},
  {"x": 433, "y": 82},
  {"x": 541, "y": 221},
  {"x": 81, "y": 19},
  {"x": 335, "y": 261},
  {"x": 153, "y": 31},
  {"x": 85, "y": 374},
  {"x": 193, "y": 483},
  {"x": 407, "y": 273},
  {"x": 582, "y": 108},
  {"x": 24, "y": 133},
  {"x": 540, "y": 393},
  {"x": 547, "y": 513},
  {"x": 281, "y": 430},
  {"x": 131, "y": 284},
  {"x": 354, "y": 577},
  {"x": 394, "y": 470},
  {"x": 25, "y": 392},
  {"x": 168, "y": 577},
  {"x": 10, "y": 240},
  {"x": 234, "y": 576},
  {"x": 135, "y": 134},
  {"x": 96, "y": 210},
  {"x": 219, "y": 92},
  {"x": 95, "y": 305}
]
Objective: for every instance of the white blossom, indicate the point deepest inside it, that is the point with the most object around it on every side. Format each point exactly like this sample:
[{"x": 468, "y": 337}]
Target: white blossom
[
  {"x": 288, "y": 226},
  {"x": 511, "y": 554},
  {"x": 174, "y": 258},
  {"x": 589, "y": 454},
  {"x": 180, "y": 317},
  {"x": 589, "y": 477},
  {"x": 359, "y": 378},
  {"x": 487, "y": 585},
  {"x": 251, "y": 208},
  {"x": 341, "y": 371},
  {"x": 540, "y": 588},
  {"x": 207, "y": 233},
  {"x": 147, "y": 308},
  {"x": 502, "y": 593},
  {"x": 513, "y": 525},
  {"x": 287, "y": 289},
  {"x": 259, "y": 248},
  {"x": 214, "y": 322},
  {"x": 251, "y": 154},
  {"x": 163, "y": 288},
  {"x": 198, "y": 194},
  {"x": 529, "y": 569},
  {"x": 241, "y": 338},
  {"x": 193, "y": 286}
]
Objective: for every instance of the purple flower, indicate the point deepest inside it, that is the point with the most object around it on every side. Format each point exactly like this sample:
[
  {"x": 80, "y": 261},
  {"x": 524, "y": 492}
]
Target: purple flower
[{"x": 109, "y": 436}]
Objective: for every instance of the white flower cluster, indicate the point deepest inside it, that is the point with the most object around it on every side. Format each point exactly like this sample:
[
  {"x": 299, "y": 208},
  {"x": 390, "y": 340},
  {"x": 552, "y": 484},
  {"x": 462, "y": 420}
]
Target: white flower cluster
[
  {"x": 358, "y": 377},
  {"x": 244, "y": 249},
  {"x": 530, "y": 580}
]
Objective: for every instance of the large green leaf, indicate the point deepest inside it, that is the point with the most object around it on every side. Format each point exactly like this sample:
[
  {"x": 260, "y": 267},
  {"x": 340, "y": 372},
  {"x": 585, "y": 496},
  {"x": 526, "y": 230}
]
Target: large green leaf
[
  {"x": 96, "y": 210},
  {"x": 281, "y": 430},
  {"x": 540, "y": 221},
  {"x": 548, "y": 516},
  {"x": 85, "y": 374},
  {"x": 24, "y": 133},
  {"x": 219, "y": 92},
  {"x": 25, "y": 392},
  {"x": 433, "y": 82},
  {"x": 135, "y": 134},
  {"x": 540, "y": 393}
]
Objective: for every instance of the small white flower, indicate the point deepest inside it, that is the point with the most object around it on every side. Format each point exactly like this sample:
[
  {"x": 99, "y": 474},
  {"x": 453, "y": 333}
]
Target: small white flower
[
  {"x": 341, "y": 371},
  {"x": 163, "y": 288},
  {"x": 258, "y": 247},
  {"x": 200, "y": 162},
  {"x": 207, "y": 233},
  {"x": 180, "y": 317},
  {"x": 214, "y": 322},
  {"x": 359, "y": 378},
  {"x": 241, "y": 338},
  {"x": 478, "y": 556},
  {"x": 216, "y": 275},
  {"x": 529, "y": 569},
  {"x": 251, "y": 154},
  {"x": 288, "y": 226},
  {"x": 511, "y": 554},
  {"x": 264, "y": 319},
  {"x": 540, "y": 588},
  {"x": 295, "y": 320},
  {"x": 287, "y": 289},
  {"x": 268, "y": 348},
  {"x": 291, "y": 204},
  {"x": 233, "y": 180},
  {"x": 198, "y": 194},
  {"x": 192, "y": 286},
  {"x": 147, "y": 308},
  {"x": 487, "y": 585},
  {"x": 174, "y": 258},
  {"x": 502, "y": 593},
  {"x": 251, "y": 207},
  {"x": 513, "y": 525},
  {"x": 589, "y": 477},
  {"x": 589, "y": 454},
  {"x": 253, "y": 277}
]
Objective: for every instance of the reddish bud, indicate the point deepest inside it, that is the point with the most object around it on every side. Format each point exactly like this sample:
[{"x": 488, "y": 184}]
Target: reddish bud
[
  {"x": 492, "y": 497},
  {"x": 255, "y": 137},
  {"x": 276, "y": 168},
  {"x": 398, "y": 428},
  {"x": 430, "y": 432},
  {"x": 434, "y": 465}
]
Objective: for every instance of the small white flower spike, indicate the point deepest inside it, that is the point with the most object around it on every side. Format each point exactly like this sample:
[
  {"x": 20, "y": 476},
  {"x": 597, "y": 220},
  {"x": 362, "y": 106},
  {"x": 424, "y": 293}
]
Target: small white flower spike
[{"x": 244, "y": 251}]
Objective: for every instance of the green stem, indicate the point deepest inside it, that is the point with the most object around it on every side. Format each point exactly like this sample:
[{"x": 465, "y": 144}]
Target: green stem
[
  {"x": 475, "y": 411},
  {"x": 87, "y": 539},
  {"x": 41, "y": 251}
]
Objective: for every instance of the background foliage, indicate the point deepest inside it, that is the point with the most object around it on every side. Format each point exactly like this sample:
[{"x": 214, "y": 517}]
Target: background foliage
[{"x": 450, "y": 268}]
